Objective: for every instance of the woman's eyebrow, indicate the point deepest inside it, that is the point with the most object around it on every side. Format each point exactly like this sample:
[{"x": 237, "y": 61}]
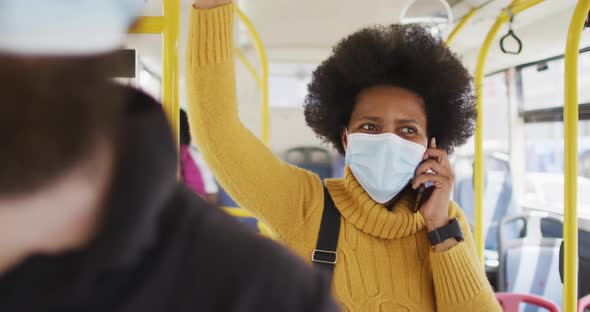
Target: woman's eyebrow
[
  {"x": 407, "y": 121},
  {"x": 371, "y": 118}
]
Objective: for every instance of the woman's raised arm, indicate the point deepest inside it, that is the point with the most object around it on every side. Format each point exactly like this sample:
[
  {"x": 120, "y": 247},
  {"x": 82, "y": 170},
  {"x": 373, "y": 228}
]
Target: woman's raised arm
[{"x": 278, "y": 193}]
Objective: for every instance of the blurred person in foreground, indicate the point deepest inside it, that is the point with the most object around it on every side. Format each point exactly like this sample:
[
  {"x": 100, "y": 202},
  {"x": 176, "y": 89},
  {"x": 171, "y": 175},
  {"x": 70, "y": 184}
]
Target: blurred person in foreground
[{"x": 92, "y": 216}]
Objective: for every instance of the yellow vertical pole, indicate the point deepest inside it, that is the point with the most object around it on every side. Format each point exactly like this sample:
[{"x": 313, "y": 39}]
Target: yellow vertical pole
[
  {"x": 478, "y": 166},
  {"x": 570, "y": 124},
  {"x": 170, "y": 71},
  {"x": 460, "y": 26},
  {"x": 515, "y": 7},
  {"x": 263, "y": 77}
]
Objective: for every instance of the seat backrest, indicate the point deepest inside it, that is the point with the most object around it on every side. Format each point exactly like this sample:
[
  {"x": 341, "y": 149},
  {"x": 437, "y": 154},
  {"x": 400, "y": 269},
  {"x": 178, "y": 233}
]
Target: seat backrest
[
  {"x": 224, "y": 199},
  {"x": 551, "y": 228},
  {"x": 583, "y": 259},
  {"x": 309, "y": 155},
  {"x": 531, "y": 227},
  {"x": 529, "y": 262},
  {"x": 511, "y": 302},
  {"x": 533, "y": 269},
  {"x": 498, "y": 202},
  {"x": 584, "y": 275}
]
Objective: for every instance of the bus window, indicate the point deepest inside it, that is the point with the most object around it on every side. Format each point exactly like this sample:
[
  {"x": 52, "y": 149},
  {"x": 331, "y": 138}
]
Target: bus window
[
  {"x": 288, "y": 84},
  {"x": 541, "y": 102},
  {"x": 542, "y": 86},
  {"x": 499, "y": 197}
]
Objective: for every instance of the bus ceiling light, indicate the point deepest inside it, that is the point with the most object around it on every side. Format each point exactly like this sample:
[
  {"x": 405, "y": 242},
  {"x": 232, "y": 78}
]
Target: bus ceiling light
[{"x": 434, "y": 23}]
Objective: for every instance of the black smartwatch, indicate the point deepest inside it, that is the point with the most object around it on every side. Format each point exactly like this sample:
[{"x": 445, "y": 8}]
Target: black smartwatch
[{"x": 451, "y": 230}]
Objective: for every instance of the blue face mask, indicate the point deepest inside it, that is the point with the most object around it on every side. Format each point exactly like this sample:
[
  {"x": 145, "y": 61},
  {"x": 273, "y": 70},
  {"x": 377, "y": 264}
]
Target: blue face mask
[
  {"x": 65, "y": 27},
  {"x": 383, "y": 164}
]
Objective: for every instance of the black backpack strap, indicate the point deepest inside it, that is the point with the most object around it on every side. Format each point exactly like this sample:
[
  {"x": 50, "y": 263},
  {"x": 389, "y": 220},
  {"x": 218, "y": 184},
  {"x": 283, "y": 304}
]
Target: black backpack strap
[{"x": 324, "y": 256}]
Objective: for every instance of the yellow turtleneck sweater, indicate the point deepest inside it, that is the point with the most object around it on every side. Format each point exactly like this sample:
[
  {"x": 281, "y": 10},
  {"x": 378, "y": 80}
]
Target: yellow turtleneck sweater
[{"x": 385, "y": 262}]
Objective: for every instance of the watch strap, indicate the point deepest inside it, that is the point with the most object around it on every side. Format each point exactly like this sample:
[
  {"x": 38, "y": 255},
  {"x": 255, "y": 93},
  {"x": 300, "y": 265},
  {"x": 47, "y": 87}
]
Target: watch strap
[{"x": 451, "y": 230}]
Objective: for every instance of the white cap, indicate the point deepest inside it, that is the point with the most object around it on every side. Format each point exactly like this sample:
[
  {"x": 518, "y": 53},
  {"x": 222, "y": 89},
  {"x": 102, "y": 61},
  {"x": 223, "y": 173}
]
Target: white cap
[{"x": 65, "y": 27}]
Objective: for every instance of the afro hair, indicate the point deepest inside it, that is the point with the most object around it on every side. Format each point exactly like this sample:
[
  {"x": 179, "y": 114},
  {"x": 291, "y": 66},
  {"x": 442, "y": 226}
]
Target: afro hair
[{"x": 405, "y": 56}]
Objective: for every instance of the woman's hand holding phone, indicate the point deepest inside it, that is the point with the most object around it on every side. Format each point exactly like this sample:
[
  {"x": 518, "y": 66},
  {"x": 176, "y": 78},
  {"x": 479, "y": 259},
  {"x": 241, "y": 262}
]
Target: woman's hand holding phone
[{"x": 436, "y": 171}]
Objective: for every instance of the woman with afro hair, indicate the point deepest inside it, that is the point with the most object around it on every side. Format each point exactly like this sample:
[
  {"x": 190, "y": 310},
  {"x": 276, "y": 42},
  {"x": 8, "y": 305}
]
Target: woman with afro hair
[{"x": 395, "y": 101}]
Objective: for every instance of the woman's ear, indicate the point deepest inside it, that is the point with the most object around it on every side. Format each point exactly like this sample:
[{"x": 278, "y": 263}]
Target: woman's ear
[{"x": 344, "y": 136}]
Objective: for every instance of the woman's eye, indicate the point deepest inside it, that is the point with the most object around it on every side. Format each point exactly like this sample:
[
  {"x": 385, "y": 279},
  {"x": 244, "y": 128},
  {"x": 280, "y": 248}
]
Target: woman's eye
[
  {"x": 409, "y": 130},
  {"x": 369, "y": 127}
]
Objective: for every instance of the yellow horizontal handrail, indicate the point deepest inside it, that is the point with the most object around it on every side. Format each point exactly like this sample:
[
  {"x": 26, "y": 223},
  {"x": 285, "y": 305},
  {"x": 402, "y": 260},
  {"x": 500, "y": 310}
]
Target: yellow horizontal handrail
[
  {"x": 148, "y": 25},
  {"x": 238, "y": 212},
  {"x": 460, "y": 26},
  {"x": 242, "y": 213},
  {"x": 519, "y": 6}
]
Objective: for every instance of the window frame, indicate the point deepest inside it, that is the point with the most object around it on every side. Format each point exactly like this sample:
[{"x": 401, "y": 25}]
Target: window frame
[{"x": 550, "y": 114}]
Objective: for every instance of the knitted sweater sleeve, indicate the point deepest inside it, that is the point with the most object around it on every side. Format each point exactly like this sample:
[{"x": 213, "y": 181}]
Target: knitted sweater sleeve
[
  {"x": 460, "y": 281},
  {"x": 276, "y": 192}
]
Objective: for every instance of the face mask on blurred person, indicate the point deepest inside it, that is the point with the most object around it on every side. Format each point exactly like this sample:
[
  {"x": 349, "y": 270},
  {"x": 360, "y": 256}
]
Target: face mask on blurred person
[{"x": 65, "y": 27}]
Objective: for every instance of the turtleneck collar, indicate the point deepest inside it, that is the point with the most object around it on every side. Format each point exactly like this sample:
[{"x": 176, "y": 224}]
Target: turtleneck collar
[{"x": 358, "y": 208}]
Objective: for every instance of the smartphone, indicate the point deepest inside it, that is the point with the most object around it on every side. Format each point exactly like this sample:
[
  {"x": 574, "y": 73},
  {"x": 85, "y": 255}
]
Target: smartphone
[{"x": 424, "y": 190}]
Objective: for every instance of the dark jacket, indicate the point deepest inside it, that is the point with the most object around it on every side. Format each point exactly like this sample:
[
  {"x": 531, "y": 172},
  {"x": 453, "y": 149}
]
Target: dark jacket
[{"x": 162, "y": 248}]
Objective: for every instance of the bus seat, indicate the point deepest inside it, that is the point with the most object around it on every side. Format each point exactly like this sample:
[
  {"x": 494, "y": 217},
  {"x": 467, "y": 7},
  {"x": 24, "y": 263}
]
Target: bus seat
[
  {"x": 584, "y": 275},
  {"x": 584, "y": 303},
  {"x": 314, "y": 159},
  {"x": 530, "y": 263},
  {"x": 551, "y": 228},
  {"x": 224, "y": 199},
  {"x": 583, "y": 259},
  {"x": 498, "y": 202},
  {"x": 511, "y": 302},
  {"x": 540, "y": 278}
]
